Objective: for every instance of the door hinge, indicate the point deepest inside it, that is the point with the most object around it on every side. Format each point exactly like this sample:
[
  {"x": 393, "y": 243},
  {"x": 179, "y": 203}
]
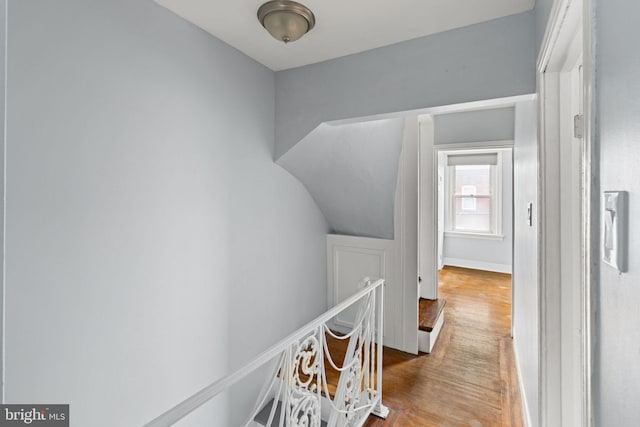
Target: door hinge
[{"x": 578, "y": 126}]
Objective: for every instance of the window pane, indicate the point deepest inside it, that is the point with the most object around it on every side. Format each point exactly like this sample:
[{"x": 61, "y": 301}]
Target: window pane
[
  {"x": 469, "y": 204},
  {"x": 478, "y": 219},
  {"x": 473, "y": 179},
  {"x": 472, "y": 213}
]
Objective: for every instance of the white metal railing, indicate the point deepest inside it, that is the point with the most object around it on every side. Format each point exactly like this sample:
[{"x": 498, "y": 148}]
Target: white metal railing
[{"x": 298, "y": 387}]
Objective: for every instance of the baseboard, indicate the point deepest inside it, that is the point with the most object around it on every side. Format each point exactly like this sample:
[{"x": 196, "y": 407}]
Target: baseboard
[
  {"x": 525, "y": 405},
  {"x": 478, "y": 265}
]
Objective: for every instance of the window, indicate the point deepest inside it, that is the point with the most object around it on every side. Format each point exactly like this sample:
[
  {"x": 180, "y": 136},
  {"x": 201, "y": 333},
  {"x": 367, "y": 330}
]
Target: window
[
  {"x": 469, "y": 203},
  {"x": 475, "y": 191}
]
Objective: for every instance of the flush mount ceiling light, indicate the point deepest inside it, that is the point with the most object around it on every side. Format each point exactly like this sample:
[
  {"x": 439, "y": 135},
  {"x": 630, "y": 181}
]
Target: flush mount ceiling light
[{"x": 286, "y": 20}]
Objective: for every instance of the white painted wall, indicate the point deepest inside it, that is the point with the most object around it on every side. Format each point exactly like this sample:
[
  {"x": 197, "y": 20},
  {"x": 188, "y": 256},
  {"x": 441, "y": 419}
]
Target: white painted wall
[
  {"x": 484, "y": 61},
  {"x": 145, "y": 215},
  {"x": 493, "y": 255},
  {"x": 616, "y": 367},
  {"x": 525, "y": 255},
  {"x": 351, "y": 171}
]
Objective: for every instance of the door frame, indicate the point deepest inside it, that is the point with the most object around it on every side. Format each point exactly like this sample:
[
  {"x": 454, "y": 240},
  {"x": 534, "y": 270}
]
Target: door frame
[
  {"x": 471, "y": 147},
  {"x": 567, "y": 17},
  {"x": 428, "y": 186}
]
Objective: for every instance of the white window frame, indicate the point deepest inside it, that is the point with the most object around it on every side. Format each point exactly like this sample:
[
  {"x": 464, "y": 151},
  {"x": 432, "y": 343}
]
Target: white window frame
[
  {"x": 496, "y": 199},
  {"x": 470, "y": 200}
]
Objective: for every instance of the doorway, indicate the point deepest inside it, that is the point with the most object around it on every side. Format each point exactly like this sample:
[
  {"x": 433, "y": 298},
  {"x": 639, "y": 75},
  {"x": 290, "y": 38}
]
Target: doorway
[
  {"x": 472, "y": 208},
  {"x": 475, "y": 205},
  {"x": 518, "y": 146},
  {"x": 474, "y": 215},
  {"x": 466, "y": 192},
  {"x": 565, "y": 82}
]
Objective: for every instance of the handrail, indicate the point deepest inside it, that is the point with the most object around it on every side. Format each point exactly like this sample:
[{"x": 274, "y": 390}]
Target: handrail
[{"x": 192, "y": 403}]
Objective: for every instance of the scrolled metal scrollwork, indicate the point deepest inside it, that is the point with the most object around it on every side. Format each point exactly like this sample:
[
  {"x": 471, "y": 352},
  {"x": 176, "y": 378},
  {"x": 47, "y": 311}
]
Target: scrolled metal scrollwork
[
  {"x": 305, "y": 410},
  {"x": 306, "y": 363},
  {"x": 353, "y": 386}
]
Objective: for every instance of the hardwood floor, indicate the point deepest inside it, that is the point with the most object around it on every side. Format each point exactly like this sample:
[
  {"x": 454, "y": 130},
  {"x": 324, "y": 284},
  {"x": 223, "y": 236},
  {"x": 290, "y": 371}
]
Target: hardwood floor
[{"x": 470, "y": 378}]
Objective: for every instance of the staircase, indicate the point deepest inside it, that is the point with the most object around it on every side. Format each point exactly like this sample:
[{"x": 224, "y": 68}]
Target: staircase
[
  {"x": 337, "y": 345},
  {"x": 431, "y": 319},
  {"x": 318, "y": 377}
]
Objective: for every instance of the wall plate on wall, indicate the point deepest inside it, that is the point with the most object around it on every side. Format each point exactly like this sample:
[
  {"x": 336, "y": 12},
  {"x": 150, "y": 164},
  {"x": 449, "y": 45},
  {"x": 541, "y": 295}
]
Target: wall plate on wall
[{"x": 615, "y": 229}]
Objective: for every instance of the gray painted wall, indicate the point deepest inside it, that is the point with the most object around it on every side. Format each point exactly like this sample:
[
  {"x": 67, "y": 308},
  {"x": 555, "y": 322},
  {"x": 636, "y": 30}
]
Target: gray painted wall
[
  {"x": 474, "y": 126},
  {"x": 616, "y": 367},
  {"x": 484, "y": 61},
  {"x": 525, "y": 253},
  {"x": 144, "y": 214},
  {"x": 542, "y": 10},
  {"x": 351, "y": 172},
  {"x": 3, "y": 46}
]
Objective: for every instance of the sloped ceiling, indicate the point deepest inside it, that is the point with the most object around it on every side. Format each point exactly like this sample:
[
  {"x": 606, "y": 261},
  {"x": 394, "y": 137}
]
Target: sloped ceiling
[{"x": 351, "y": 171}]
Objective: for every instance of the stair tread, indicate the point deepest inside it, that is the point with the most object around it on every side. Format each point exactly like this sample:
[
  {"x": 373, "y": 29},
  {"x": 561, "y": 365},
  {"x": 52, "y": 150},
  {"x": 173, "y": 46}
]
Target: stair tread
[{"x": 429, "y": 310}]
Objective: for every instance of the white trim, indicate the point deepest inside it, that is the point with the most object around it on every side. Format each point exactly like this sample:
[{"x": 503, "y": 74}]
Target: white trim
[
  {"x": 567, "y": 17},
  {"x": 478, "y": 265},
  {"x": 590, "y": 227},
  {"x": 428, "y": 209},
  {"x": 525, "y": 407},
  {"x": 406, "y": 234},
  {"x": 485, "y": 104},
  {"x": 470, "y": 235},
  {"x": 496, "y": 196},
  {"x": 475, "y": 147},
  {"x": 478, "y": 145}
]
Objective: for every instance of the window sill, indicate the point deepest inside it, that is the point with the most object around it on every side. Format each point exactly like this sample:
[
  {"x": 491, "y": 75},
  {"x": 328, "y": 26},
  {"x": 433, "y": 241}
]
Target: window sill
[{"x": 471, "y": 235}]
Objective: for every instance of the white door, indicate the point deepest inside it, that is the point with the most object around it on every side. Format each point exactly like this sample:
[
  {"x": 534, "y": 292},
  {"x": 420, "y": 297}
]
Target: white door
[{"x": 349, "y": 260}]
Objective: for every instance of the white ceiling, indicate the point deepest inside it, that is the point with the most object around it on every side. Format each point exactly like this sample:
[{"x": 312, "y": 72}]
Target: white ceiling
[{"x": 342, "y": 27}]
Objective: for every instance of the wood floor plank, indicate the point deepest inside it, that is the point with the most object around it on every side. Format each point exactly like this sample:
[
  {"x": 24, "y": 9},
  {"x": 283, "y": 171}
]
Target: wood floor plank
[{"x": 470, "y": 378}]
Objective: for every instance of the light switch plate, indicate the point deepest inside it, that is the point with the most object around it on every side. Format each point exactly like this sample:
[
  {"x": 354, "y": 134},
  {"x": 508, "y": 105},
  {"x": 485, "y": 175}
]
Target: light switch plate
[{"x": 615, "y": 229}]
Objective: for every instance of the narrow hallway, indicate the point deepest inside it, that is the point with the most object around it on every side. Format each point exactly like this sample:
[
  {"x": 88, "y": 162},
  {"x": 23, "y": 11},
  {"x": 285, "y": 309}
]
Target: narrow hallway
[{"x": 470, "y": 378}]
